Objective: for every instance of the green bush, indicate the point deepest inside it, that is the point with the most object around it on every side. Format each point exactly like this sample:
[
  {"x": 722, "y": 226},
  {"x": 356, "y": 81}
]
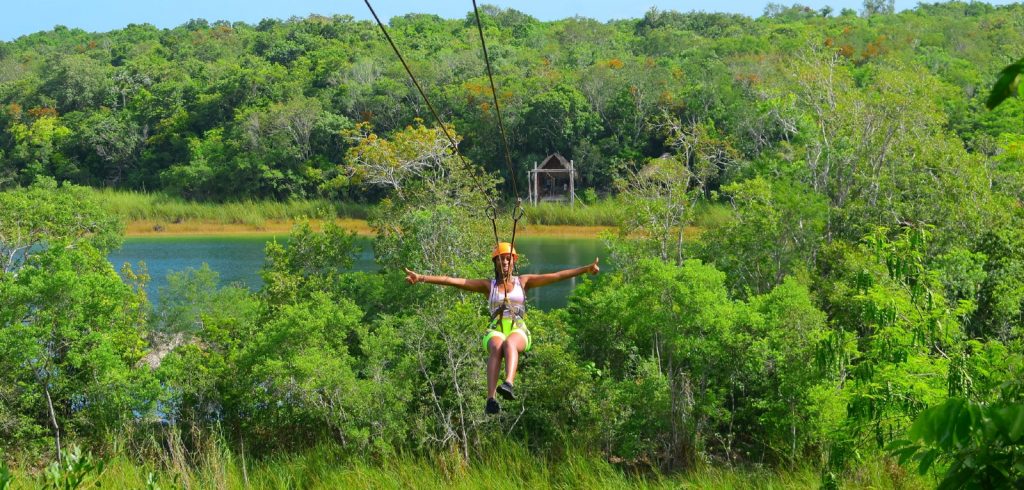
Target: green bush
[{"x": 981, "y": 444}]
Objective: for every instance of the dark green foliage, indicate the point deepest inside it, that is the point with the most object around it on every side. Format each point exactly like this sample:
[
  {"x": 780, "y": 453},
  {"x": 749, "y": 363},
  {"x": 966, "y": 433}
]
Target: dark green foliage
[
  {"x": 707, "y": 24},
  {"x": 72, "y": 332},
  {"x": 304, "y": 342},
  {"x": 1006, "y": 85},
  {"x": 776, "y": 231},
  {"x": 1001, "y": 297},
  {"x": 558, "y": 120},
  {"x": 5, "y": 476},
  {"x": 563, "y": 396},
  {"x": 689, "y": 368},
  {"x": 316, "y": 357},
  {"x": 980, "y": 443}
]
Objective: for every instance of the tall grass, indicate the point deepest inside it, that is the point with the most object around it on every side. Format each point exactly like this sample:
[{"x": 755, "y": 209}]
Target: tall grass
[
  {"x": 601, "y": 213},
  {"x": 504, "y": 465},
  {"x": 138, "y": 206},
  {"x": 711, "y": 216},
  {"x": 164, "y": 208},
  {"x": 609, "y": 212}
]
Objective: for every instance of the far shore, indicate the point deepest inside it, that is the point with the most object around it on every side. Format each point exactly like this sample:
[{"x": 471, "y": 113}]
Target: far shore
[{"x": 149, "y": 228}]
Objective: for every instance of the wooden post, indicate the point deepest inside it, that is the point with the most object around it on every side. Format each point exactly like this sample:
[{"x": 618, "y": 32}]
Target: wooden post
[
  {"x": 529, "y": 186},
  {"x": 536, "y": 186},
  {"x": 572, "y": 184}
]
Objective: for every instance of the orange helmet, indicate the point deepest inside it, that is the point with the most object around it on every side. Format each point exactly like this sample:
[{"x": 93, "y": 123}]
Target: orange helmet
[{"x": 504, "y": 248}]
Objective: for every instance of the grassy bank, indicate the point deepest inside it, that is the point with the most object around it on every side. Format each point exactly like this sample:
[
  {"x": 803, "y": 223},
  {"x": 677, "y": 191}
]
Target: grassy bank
[
  {"x": 605, "y": 213},
  {"x": 162, "y": 208},
  {"x": 164, "y": 215},
  {"x": 608, "y": 213},
  {"x": 156, "y": 214},
  {"x": 507, "y": 466},
  {"x": 213, "y": 228},
  {"x": 360, "y": 227}
]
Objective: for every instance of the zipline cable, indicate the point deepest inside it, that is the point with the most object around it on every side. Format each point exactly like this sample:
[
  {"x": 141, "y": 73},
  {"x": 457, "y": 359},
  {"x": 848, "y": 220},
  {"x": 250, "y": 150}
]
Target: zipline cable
[
  {"x": 517, "y": 211},
  {"x": 455, "y": 147},
  {"x": 497, "y": 108}
]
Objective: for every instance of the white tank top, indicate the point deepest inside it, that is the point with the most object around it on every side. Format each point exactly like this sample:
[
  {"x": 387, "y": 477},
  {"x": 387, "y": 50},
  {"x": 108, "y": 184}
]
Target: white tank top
[{"x": 516, "y": 299}]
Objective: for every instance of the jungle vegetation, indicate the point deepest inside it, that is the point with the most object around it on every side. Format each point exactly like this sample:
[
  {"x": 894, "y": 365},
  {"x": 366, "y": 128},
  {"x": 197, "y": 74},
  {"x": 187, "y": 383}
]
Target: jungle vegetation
[{"x": 862, "y": 301}]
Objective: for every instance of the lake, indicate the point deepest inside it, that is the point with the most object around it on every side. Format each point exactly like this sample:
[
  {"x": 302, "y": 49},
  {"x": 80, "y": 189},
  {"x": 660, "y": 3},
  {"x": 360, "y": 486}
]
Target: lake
[{"x": 238, "y": 260}]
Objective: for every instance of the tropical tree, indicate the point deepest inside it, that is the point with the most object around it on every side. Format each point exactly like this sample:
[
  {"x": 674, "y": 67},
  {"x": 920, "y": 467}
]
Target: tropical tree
[{"x": 71, "y": 331}]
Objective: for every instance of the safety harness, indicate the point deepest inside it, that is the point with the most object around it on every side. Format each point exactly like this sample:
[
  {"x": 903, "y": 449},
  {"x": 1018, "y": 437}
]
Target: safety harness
[{"x": 517, "y": 214}]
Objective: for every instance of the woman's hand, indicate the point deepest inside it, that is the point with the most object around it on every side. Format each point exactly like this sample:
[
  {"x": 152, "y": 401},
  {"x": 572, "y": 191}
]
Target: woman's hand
[
  {"x": 411, "y": 277},
  {"x": 540, "y": 280}
]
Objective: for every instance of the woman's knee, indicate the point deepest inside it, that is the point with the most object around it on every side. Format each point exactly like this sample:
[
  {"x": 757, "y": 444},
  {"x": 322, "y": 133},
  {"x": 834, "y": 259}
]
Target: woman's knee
[
  {"x": 515, "y": 342},
  {"x": 495, "y": 345}
]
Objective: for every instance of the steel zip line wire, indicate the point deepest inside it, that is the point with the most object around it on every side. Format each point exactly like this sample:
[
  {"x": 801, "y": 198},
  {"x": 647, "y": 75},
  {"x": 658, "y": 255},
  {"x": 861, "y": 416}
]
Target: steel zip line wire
[
  {"x": 497, "y": 108},
  {"x": 517, "y": 211},
  {"x": 455, "y": 147}
]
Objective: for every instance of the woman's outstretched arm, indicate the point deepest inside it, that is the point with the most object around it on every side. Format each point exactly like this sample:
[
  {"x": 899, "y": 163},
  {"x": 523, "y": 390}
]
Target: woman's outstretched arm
[
  {"x": 476, "y": 285},
  {"x": 538, "y": 280}
]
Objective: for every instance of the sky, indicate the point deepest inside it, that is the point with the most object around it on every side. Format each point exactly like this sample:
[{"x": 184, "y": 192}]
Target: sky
[{"x": 21, "y": 17}]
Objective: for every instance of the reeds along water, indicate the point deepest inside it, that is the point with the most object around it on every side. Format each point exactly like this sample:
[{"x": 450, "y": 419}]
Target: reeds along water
[
  {"x": 601, "y": 213},
  {"x": 135, "y": 206},
  {"x": 160, "y": 207},
  {"x": 164, "y": 208}
]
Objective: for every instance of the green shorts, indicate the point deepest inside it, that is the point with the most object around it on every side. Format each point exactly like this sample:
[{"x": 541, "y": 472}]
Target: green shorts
[{"x": 506, "y": 328}]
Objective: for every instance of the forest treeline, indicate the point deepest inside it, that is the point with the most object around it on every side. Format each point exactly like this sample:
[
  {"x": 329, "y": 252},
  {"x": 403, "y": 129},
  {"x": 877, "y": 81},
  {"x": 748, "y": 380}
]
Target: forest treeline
[
  {"x": 230, "y": 110},
  {"x": 864, "y": 297}
]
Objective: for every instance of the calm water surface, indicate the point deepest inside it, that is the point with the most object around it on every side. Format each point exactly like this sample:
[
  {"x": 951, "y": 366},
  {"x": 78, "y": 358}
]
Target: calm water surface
[{"x": 238, "y": 260}]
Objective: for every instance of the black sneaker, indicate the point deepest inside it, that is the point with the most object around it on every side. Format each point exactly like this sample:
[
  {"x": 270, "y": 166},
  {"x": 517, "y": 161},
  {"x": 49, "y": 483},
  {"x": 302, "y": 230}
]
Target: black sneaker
[
  {"x": 492, "y": 406},
  {"x": 505, "y": 390}
]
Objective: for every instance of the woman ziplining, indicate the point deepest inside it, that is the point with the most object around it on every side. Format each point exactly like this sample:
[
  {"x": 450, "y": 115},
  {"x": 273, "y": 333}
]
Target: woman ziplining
[{"x": 507, "y": 335}]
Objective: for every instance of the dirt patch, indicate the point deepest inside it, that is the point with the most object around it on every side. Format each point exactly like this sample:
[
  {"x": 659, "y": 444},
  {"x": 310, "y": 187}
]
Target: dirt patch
[
  {"x": 360, "y": 227},
  {"x": 202, "y": 228}
]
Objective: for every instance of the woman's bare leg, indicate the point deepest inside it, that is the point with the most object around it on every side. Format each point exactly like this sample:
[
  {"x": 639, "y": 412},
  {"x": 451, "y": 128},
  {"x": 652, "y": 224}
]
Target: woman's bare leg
[
  {"x": 514, "y": 344},
  {"x": 494, "y": 353}
]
